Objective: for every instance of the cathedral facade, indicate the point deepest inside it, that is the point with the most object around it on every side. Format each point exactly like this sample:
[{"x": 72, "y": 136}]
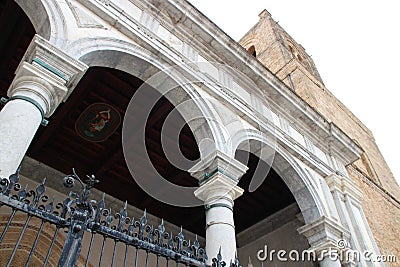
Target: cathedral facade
[{"x": 240, "y": 144}]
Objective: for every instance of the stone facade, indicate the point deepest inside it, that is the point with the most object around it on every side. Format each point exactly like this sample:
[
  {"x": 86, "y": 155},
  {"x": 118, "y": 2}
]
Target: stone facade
[
  {"x": 275, "y": 107},
  {"x": 288, "y": 60}
]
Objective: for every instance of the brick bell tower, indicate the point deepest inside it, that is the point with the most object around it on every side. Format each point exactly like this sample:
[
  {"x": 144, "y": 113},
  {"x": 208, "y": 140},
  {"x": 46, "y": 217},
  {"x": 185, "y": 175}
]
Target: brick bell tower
[
  {"x": 288, "y": 60},
  {"x": 280, "y": 53}
]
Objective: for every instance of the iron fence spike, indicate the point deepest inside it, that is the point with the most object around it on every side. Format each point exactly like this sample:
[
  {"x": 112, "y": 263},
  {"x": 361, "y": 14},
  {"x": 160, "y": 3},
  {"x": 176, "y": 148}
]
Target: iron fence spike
[{"x": 81, "y": 215}]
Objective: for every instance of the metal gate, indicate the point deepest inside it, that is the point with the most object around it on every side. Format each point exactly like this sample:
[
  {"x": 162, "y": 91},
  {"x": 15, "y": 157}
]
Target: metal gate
[{"x": 127, "y": 241}]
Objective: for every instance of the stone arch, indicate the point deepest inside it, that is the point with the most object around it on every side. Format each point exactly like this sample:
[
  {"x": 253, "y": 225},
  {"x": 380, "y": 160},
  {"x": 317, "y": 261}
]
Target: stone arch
[
  {"x": 140, "y": 62},
  {"x": 46, "y": 17},
  {"x": 283, "y": 163}
]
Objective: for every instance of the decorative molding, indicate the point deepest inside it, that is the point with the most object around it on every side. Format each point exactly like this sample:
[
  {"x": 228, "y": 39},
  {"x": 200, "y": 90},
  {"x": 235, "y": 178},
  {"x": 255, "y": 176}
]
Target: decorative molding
[
  {"x": 218, "y": 190},
  {"x": 31, "y": 79},
  {"x": 325, "y": 233},
  {"x": 388, "y": 196},
  {"x": 48, "y": 73},
  {"x": 312, "y": 123},
  {"x": 64, "y": 69},
  {"x": 218, "y": 162},
  {"x": 344, "y": 185},
  {"x": 83, "y": 19}
]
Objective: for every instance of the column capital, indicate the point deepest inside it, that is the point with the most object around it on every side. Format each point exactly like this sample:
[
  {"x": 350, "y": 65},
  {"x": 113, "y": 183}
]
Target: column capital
[
  {"x": 344, "y": 186},
  {"x": 218, "y": 187},
  {"x": 325, "y": 234},
  {"x": 56, "y": 63},
  {"x": 46, "y": 75},
  {"x": 35, "y": 85},
  {"x": 218, "y": 162}
]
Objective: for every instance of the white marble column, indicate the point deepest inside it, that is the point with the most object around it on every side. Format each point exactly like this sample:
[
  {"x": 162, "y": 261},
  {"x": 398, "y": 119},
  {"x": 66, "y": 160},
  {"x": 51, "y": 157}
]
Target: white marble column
[
  {"x": 327, "y": 239},
  {"x": 44, "y": 79},
  {"x": 219, "y": 175},
  {"x": 20, "y": 118}
]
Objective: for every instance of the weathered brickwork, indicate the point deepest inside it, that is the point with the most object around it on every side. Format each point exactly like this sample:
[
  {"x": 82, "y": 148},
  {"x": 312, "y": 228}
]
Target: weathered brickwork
[
  {"x": 275, "y": 47},
  {"x": 378, "y": 204},
  {"x": 289, "y": 62}
]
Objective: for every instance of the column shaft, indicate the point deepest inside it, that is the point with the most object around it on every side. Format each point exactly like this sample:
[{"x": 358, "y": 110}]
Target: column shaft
[
  {"x": 19, "y": 123},
  {"x": 218, "y": 194},
  {"x": 220, "y": 231}
]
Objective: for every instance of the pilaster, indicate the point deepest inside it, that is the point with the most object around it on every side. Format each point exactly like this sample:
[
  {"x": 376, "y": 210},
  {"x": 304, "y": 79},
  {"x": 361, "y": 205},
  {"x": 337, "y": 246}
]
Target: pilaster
[
  {"x": 327, "y": 239},
  {"x": 344, "y": 185},
  {"x": 347, "y": 198}
]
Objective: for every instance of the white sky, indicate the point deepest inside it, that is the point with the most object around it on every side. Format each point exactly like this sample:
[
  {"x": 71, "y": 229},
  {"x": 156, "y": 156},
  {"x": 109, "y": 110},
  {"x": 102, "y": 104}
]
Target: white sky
[{"x": 355, "y": 45}]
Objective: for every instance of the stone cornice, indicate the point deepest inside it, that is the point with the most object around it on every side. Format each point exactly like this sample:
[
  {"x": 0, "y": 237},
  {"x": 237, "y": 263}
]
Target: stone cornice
[
  {"x": 273, "y": 87},
  {"x": 375, "y": 186},
  {"x": 343, "y": 145},
  {"x": 238, "y": 57}
]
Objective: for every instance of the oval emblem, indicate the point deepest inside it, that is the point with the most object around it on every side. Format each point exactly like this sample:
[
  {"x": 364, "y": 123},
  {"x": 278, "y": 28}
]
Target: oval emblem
[{"x": 97, "y": 122}]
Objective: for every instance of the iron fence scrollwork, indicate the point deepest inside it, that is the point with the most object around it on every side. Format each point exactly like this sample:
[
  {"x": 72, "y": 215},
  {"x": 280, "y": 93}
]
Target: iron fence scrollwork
[{"x": 80, "y": 215}]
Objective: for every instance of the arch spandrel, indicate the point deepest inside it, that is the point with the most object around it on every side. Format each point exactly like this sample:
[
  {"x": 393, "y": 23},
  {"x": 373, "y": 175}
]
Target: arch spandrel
[
  {"x": 47, "y": 18},
  {"x": 39, "y": 15}
]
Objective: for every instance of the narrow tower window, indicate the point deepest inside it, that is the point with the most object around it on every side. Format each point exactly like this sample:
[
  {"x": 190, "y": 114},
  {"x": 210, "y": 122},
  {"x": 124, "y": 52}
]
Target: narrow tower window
[
  {"x": 295, "y": 53},
  {"x": 252, "y": 51}
]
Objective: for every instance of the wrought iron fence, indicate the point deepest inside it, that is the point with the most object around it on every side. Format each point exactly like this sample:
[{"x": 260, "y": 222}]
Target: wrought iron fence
[{"x": 78, "y": 217}]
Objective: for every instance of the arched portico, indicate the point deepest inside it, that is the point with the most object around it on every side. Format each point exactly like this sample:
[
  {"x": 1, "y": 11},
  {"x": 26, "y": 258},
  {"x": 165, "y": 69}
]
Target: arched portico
[
  {"x": 41, "y": 81},
  {"x": 281, "y": 185},
  {"x": 268, "y": 163},
  {"x": 219, "y": 117},
  {"x": 168, "y": 79},
  {"x": 281, "y": 161}
]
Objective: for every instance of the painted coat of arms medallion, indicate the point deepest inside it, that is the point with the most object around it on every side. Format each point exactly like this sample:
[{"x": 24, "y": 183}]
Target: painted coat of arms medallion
[{"x": 97, "y": 122}]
